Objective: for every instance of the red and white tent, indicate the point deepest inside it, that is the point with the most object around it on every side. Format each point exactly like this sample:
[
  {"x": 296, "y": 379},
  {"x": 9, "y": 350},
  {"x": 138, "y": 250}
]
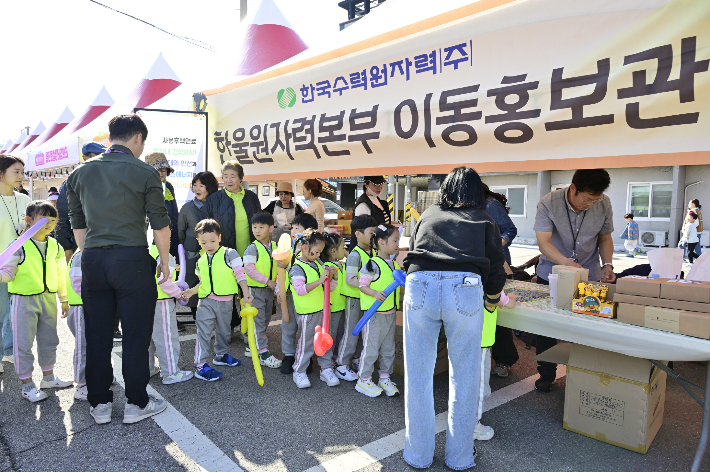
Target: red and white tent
[
  {"x": 101, "y": 103},
  {"x": 18, "y": 142},
  {"x": 39, "y": 129},
  {"x": 7, "y": 146},
  {"x": 267, "y": 40},
  {"x": 61, "y": 123},
  {"x": 157, "y": 83}
]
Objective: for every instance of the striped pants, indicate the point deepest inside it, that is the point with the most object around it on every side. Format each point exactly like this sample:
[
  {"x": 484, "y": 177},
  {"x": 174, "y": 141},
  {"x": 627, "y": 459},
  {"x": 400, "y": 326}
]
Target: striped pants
[
  {"x": 33, "y": 317},
  {"x": 75, "y": 321},
  {"x": 165, "y": 341}
]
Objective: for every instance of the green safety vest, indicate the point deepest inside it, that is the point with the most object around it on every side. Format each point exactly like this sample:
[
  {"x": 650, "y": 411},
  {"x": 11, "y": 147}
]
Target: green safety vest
[
  {"x": 161, "y": 295},
  {"x": 379, "y": 285},
  {"x": 265, "y": 264},
  {"x": 36, "y": 274},
  {"x": 337, "y": 299},
  {"x": 216, "y": 276},
  {"x": 72, "y": 297},
  {"x": 488, "y": 337},
  {"x": 346, "y": 289},
  {"x": 313, "y": 301}
]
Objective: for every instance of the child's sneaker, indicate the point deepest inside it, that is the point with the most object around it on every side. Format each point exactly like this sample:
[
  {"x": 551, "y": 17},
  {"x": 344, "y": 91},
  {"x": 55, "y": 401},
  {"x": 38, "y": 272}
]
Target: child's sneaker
[
  {"x": 344, "y": 372},
  {"x": 389, "y": 387},
  {"x": 287, "y": 365},
  {"x": 226, "y": 359},
  {"x": 367, "y": 387},
  {"x": 247, "y": 352},
  {"x": 207, "y": 373},
  {"x": 630, "y": 255},
  {"x": 245, "y": 338},
  {"x": 9, "y": 359},
  {"x": 32, "y": 393},
  {"x": 482, "y": 433},
  {"x": 301, "y": 380},
  {"x": 81, "y": 392},
  {"x": 328, "y": 376},
  {"x": 270, "y": 362},
  {"x": 154, "y": 371},
  {"x": 52, "y": 381},
  {"x": 182, "y": 376},
  {"x": 356, "y": 364}
]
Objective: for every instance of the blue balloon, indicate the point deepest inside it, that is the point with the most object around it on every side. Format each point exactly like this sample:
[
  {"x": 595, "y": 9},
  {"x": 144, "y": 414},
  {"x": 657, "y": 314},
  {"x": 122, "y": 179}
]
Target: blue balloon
[{"x": 400, "y": 277}]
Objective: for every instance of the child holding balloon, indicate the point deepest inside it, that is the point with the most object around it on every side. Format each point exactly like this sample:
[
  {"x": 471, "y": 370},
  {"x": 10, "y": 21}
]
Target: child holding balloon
[
  {"x": 307, "y": 278},
  {"x": 165, "y": 340},
  {"x": 36, "y": 276},
  {"x": 332, "y": 255},
  {"x": 359, "y": 253},
  {"x": 221, "y": 273},
  {"x": 378, "y": 333},
  {"x": 260, "y": 268}
]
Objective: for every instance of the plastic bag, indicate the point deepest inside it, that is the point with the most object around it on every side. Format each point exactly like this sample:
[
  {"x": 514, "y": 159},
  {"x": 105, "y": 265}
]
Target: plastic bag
[
  {"x": 666, "y": 262},
  {"x": 701, "y": 268}
]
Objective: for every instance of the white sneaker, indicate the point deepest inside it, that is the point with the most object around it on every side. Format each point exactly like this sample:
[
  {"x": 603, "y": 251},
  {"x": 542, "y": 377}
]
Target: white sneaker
[
  {"x": 270, "y": 362},
  {"x": 328, "y": 376},
  {"x": 388, "y": 386},
  {"x": 133, "y": 414},
  {"x": 9, "y": 359},
  {"x": 102, "y": 412},
  {"x": 301, "y": 380},
  {"x": 33, "y": 394},
  {"x": 81, "y": 393},
  {"x": 154, "y": 371},
  {"x": 247, "y": 352},
  {"x": 482, "y": 433},
  {"x": 344, "y": 372},
  {"x": 2, "y": 369},
  {"x": 56, "y": 383},
  {"x": 182, "y": 376}
]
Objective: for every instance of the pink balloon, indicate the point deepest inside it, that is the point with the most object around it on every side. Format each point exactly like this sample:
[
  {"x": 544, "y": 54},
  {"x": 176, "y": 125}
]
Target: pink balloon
[{"x": 12, "y": 248}]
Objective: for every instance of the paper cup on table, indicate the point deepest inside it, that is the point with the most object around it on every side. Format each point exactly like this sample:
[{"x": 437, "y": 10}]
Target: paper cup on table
[{"x": 552, "y": 278}]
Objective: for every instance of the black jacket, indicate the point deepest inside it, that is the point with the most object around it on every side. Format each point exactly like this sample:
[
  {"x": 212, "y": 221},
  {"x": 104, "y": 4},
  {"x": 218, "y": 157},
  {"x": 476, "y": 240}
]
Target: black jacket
[
  {"x": 173, "y": 213},
  {"x": 458, "y": 240},
  {"x": 382, "y": 217},
  {"x": 271, "y": 206},
  {"x": 219, "y": 206},
  {"x": 64, "y": 234}
]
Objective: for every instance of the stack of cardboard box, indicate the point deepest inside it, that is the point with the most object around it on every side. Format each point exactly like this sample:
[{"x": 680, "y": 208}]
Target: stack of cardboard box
[
  {"x": 678, "y": 306},
  {"x": 344, "y": 220}
]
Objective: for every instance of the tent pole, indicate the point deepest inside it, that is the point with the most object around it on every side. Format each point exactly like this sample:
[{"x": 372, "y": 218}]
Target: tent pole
[
  {"x": 407, "y": 206},
  {"x": 31, "y": 186},
  {"x": 390, "y": 191}
]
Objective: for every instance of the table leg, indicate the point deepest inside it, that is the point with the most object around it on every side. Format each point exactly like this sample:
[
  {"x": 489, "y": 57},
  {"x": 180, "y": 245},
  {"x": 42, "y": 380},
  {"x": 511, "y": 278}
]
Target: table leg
[{"x": 705, "y": 427}]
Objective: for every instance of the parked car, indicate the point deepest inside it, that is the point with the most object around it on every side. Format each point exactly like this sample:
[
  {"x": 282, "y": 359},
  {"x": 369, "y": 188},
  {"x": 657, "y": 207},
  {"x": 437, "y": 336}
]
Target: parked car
[{"x": 331, "y": 208}]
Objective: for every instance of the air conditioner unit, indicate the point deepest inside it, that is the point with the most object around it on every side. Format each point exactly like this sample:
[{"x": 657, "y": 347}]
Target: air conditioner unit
[
  {"x": 704, "y": 238},
  {"x": 654, "y": 238}
]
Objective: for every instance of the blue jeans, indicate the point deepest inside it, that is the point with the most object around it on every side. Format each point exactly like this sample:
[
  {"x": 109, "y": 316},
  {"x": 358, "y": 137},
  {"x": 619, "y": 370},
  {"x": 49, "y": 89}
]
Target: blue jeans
[
  {"x": 433, "y": 298},
  {"x": 6, "y": 326}
]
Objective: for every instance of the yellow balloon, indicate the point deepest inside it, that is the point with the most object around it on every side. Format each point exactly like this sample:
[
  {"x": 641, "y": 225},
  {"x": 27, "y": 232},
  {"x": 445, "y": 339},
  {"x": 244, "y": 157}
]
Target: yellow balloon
[{"x": 248, "y": 313}]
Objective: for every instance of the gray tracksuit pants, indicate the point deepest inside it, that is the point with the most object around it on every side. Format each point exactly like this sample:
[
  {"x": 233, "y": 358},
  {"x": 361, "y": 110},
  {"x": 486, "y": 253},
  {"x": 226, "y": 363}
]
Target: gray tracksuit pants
[
  {"x": 209, "y": 313},
  {"x": 348, "y": 343},
  {"x": 485, "y": 391},
  {"x": 378, "y": 342},
  {"x": 307, "y": 324},
  {"x": 264, "y": 302},
  {"x": 34, "y": 317},
  {"x": 288, "y": 330},
  {"x": 75, "y": 321},
  {"x": 329, "y": 356},
  {"x": 166, "y": 340}
]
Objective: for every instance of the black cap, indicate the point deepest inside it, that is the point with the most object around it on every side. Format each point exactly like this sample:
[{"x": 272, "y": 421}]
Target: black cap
[{"x": 374, "y": 179}]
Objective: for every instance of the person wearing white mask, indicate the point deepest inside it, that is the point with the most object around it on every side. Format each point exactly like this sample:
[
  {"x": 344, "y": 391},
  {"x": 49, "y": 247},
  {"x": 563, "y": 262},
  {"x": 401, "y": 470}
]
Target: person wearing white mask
[{"x": 370, "y": 202}]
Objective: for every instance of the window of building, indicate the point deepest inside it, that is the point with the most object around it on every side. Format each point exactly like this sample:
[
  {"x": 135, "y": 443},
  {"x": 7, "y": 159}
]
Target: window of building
[
  {"x": 517, "y": 198},
  {"x": 650, "y": 200}
]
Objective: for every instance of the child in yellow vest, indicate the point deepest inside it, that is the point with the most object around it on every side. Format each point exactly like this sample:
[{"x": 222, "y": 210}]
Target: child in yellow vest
[
  {"x": 261, "y": 270},
  {"x": 332, "y": 257},
  {"x": 221, "y": 272},
  {"x": 289, "y": 329},
  {"x": 359, "y": 252},
  {"x": 307, "y": 279},
  {"x": 37, "y": 277},
  {"x": 166, "y": 340},
  {"x": 378, "y": 333}
]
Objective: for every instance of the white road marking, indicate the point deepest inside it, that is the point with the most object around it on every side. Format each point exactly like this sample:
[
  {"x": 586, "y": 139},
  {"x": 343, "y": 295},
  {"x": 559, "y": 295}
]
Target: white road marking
[
  {"x": 382, "y": 448},
  {"x": 196, "y": 446}
]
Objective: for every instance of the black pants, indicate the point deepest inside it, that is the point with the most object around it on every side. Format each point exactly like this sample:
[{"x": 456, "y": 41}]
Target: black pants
[
  {"x": 118, "y": 278},
  {"x": 504, "y": 350},
  {"x": 543, "y": 343},
  {"x": 691, "y": 251}
]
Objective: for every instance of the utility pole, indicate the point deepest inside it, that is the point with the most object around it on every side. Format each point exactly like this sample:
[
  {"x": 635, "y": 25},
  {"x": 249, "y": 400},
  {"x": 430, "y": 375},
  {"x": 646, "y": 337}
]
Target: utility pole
[{"x": 242, "y": 9}]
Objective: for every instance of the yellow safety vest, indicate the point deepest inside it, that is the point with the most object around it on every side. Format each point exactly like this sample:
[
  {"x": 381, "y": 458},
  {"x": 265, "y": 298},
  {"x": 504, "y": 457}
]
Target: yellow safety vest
[
  {"x": 313, "y": 301},
  {"x": 488, "y": 337},
  {"x": 337, "y": 299},
  {"x": 379, "y": 285},
  {"x": 265, "y": 264},
  {"x": 161, "y": 295},
  {"x": 216, "y": 276},
  {"x": 346, "y": 289},
  {"x": 36, "y": 274},
  {"x": 72, "y": 297}
]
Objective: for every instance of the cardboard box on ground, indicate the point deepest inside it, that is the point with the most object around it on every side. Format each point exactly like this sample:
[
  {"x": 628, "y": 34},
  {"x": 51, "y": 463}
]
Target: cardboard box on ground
[{"x": 610, "y": 397}]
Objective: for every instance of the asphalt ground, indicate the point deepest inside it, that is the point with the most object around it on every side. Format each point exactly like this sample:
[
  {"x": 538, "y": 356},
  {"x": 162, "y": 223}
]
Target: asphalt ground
[{"x": 279, "y": 427}]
